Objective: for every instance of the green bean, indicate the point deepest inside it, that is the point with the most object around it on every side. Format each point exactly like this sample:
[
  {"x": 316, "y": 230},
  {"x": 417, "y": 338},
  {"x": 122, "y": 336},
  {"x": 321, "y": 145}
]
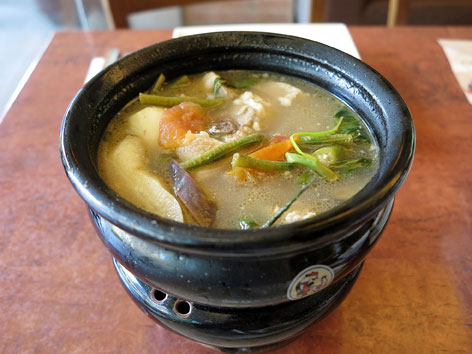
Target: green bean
[
  {"x": 220, "y": 151},
  {"x": 157, "y": 85},
  {"x": 282, "y": 210},
  {"x": 345, "y": 139},
  {"x": 172, "y": 101},
  {"x": 329, "y": 154},
  {"x": 312, "y": 163},
  {"x": 260, "y": 164},
  {"x": 180, "y": 82}
]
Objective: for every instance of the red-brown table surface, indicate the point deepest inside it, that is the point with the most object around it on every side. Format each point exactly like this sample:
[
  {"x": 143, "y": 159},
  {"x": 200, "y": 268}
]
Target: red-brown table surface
[{"x": 59, "y": 291}]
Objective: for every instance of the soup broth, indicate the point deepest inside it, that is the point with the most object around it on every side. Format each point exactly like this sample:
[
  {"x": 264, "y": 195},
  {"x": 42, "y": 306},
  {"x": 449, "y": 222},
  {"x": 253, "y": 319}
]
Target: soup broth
[{"x": 288, "y": 137}]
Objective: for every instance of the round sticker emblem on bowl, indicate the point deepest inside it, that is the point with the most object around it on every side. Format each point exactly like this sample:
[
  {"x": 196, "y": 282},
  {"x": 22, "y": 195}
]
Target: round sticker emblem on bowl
[{"x": 309, "y": 281}]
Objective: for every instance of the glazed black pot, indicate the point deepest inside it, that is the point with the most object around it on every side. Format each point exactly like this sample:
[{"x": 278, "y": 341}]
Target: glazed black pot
[{"x": 239, "y": 290}]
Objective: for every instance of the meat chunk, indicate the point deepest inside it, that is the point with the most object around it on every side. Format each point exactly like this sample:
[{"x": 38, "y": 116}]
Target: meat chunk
[
  {"x": 196, "y": 144},
  {"x": 297, "y": 215},
  {"x": 249, "y": 112},
  {"x": 224, "y": 127},
  {"x": 251, "y": 109},
  {"x": 240, "y": 133},
  {"x": 283, "y": 92}
]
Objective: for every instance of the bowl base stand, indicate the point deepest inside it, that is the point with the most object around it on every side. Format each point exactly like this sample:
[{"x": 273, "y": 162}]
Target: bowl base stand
[{"x": 236, "y": 330}]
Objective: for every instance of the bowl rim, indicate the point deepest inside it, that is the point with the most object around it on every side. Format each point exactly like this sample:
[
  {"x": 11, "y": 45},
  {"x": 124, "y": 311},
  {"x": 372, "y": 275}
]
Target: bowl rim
[{"x": 317, "y": 230}]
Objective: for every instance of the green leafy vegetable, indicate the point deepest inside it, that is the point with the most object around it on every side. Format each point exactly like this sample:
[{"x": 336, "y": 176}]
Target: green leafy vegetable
[
  {"x": 246, "y": 224},
  {"x": 241, "y": 82},
  {"x": 351, "y": 125},
  {"x": 346, "y": 166}
]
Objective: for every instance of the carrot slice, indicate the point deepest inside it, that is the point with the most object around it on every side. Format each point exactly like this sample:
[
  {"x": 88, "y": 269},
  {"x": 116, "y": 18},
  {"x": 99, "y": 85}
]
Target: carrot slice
[{"x": 273, "y": 152}]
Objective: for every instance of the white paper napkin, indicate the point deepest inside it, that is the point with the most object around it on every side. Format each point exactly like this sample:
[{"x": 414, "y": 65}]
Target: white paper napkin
[
  {"x": 459, "y": 54},
  {"x": 333, "y": 34}
]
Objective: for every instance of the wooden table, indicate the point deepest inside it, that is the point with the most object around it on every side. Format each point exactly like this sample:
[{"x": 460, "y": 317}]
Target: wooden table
[{"x": 59, "y": 292}]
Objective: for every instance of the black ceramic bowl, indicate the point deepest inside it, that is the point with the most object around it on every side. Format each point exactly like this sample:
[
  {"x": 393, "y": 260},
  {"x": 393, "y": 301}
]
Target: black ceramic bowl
[{"x": 239, "y": 290}]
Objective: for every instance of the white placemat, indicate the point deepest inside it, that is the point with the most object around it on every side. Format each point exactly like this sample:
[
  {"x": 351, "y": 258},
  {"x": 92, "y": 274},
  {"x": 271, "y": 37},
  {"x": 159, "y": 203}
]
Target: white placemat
[
  {"x": 459, "y": 54},
  {"x": 333, "y": 34}
]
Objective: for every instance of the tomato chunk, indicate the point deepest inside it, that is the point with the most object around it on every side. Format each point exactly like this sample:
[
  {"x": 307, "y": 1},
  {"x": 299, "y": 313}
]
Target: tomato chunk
[{"x": 177, "y": 120}]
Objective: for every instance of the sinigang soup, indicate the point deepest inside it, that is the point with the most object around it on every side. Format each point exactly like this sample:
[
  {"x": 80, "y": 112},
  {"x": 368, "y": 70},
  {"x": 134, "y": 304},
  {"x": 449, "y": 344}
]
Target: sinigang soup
[{"x": 236, "y": 149}]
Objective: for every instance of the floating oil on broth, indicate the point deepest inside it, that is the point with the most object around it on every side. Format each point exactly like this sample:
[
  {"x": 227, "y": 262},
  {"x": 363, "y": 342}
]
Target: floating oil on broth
[{"x": 255, "y": 103}]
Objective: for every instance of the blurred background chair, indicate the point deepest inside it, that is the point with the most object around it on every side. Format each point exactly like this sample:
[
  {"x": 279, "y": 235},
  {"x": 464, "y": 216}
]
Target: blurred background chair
[
  {"x": 394, "y": 12},
  {"x": 138, "y": 14},
  {"x": 169, "y": 13},
  {"x": 403, "y": 12}
]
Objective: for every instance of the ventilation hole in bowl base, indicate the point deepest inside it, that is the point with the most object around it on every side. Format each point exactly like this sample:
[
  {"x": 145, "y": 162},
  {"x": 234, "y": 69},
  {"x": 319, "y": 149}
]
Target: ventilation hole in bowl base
[
  {"x": 182, "y": 308},
  {"x": 158, "y": 296}
]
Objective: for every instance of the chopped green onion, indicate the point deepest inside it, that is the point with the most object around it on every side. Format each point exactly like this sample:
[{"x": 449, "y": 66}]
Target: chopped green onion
[
  {"x": 220, "y": 151},
  {"x": 260, "y": 164},
  {"x": 173, "y": 101}
]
